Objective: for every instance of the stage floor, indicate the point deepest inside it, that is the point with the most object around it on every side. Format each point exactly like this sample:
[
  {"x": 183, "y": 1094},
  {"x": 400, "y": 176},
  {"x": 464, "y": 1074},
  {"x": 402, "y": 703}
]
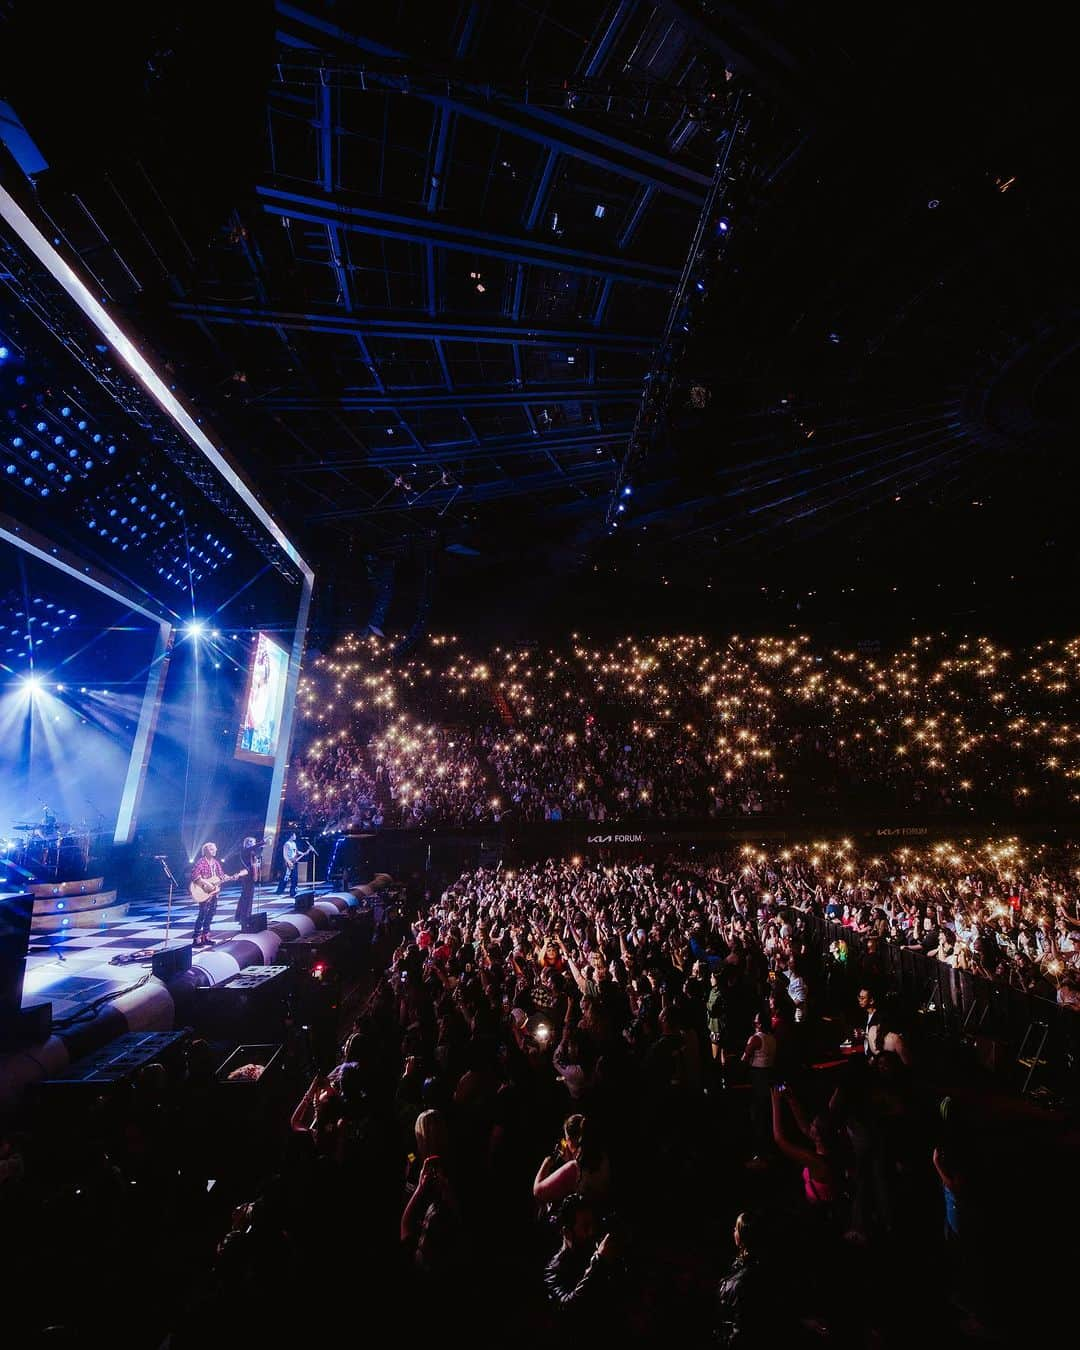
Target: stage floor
[{"x": 73, "y": 968}]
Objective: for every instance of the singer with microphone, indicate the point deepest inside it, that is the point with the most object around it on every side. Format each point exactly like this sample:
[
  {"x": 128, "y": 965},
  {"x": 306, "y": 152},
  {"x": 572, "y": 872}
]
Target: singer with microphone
[{"x": 251, "y": 857}]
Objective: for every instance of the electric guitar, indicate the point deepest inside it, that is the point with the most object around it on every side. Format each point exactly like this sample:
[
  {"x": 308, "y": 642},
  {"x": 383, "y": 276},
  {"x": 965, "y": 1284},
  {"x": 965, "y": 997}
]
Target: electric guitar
[
  {"x": 202, "y": 888},
  {"x": 299, "y": 858}
]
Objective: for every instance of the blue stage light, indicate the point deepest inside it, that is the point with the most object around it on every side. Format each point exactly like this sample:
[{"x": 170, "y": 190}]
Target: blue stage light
[
  {"x": 111, "y": 450},
  {"x": 11, "y": 468},
  {"x": 40, "y": 426},
  {"x": 4, "y": 353},
  {"x": 35, "y": 454},
  {"x": 88, "y": 464},
  {"x": 17, "y": 443},
  {"x": 58, "y": 440},
  {"x": 67, "y": 478},
  {"x": 28, "y": 481},
  {"x": 33, "y": 684},
  {"x": 82, "y": 425},
  {"x": 96, "y": 437},
  {"x": 627, "y": 491},
  {"x": 65, "y": 411}
]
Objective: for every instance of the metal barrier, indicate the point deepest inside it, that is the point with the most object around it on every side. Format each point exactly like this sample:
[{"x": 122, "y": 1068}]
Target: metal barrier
[{"x": 966, "y": 1003}]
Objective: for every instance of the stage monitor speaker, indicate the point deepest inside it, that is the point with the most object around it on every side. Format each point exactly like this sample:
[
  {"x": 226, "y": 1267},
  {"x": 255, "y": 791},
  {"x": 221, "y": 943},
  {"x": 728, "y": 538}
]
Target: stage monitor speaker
[
  {"x": 16, "y": 915},
  {"x": 254, "y": 923},
  {"x": 30, "y": 1026},
  {"x": 119, "y": 1061},
  {"x": 171, "y": 959},
  {"x": 303, "y": 901}
]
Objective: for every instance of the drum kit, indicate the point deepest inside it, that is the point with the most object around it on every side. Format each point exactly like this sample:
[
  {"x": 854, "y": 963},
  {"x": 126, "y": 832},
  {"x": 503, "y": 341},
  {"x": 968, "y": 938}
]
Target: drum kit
[{"x": 50, "y": 846}]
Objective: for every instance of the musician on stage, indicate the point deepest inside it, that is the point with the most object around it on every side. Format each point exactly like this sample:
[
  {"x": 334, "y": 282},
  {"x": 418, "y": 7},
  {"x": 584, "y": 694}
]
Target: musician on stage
[
  {"x": 209, "y": 870},
  {"x": 251, "y": 857},
  {"x": 289, "y": 854}
]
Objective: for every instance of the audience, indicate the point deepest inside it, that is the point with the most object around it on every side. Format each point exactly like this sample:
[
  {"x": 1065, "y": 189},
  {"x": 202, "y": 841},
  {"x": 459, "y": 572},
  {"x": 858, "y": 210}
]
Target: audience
[{"x": 668, "y": 728}]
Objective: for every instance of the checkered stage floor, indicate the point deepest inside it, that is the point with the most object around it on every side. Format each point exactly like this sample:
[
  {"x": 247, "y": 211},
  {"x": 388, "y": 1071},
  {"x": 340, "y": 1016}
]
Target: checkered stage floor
[{"x": 73, "y": 968}]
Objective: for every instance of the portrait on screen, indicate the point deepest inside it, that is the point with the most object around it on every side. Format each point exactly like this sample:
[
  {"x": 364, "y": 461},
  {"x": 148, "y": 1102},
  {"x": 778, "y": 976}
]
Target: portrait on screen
[{"x": 263, "y": 701}]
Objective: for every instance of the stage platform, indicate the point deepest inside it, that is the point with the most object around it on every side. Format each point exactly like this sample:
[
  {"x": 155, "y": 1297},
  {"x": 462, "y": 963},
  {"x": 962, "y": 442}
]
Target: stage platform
[{"x": 73, "y": 968}]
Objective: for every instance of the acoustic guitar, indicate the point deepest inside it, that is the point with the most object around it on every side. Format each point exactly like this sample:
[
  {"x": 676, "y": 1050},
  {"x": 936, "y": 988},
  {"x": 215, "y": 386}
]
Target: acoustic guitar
[{"x": 203, "y": 889}]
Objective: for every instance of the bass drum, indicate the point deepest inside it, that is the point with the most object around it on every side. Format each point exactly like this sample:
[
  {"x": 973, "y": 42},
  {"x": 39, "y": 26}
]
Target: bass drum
[{"x": 73, "y": 851}]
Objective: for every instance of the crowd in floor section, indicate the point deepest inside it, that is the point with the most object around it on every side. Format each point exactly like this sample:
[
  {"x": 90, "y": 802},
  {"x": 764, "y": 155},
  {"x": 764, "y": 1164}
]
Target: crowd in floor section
[{"x": 645, "y": 1100}]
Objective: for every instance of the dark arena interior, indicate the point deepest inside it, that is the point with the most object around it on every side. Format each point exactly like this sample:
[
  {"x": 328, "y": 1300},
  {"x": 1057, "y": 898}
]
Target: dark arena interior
[{"x": 539, "y": 742}]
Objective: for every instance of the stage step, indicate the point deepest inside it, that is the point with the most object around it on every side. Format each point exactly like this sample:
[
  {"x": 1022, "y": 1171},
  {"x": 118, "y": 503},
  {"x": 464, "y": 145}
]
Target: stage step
[
  {"x": 83, "y": 911},
  {"x": 42, "y": 890}
]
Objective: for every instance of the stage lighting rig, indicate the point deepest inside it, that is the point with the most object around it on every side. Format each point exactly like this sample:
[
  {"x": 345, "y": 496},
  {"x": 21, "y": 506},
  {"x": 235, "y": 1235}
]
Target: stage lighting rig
[{"x": 195, "y": 629}]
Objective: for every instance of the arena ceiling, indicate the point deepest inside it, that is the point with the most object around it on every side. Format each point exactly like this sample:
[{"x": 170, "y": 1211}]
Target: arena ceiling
[{"x": 747, "y": 307}]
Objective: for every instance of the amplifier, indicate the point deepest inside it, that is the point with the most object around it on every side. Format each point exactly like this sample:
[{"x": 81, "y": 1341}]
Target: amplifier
[
  {"x": 307, "y": 952},
  {"x": 254, "y": 923},
  {"x": 250, "y": 1005}
]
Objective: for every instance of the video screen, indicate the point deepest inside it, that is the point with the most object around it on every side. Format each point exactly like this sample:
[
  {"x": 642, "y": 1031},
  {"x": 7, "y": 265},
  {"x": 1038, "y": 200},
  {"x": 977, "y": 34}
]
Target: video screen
[{"x": 263, "y": 702}]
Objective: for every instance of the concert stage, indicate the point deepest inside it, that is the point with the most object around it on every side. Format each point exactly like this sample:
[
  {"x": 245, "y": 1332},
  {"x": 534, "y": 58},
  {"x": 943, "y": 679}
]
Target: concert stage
[
  {"x": 75, "y": 968},
  {"x": 97, "y": 995}
]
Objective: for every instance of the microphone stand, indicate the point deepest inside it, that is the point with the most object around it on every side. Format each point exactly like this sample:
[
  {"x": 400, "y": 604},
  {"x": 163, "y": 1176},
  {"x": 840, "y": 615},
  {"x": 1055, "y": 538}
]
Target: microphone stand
[
  {"x": 172, "y": 882},
  {"x": 314, "y": 865}
]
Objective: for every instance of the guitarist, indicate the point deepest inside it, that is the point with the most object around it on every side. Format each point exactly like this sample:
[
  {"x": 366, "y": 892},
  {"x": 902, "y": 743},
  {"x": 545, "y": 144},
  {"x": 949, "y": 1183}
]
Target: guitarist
[
  {"x": 290, "y": 856},
  {"x": 207, "y": 876}
]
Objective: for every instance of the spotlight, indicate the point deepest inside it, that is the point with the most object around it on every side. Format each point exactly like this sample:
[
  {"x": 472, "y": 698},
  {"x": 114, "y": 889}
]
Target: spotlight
[
  {"x": 723, "y": 225},
  {"x": 195, "y": 629},
  {"x": 33, "y": 684}
]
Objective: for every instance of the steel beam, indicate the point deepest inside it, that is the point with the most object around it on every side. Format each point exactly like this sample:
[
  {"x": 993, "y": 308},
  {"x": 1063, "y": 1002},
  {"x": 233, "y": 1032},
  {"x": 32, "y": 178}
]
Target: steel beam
[
  {"x": 444, "y": 328},
  {"x": 417, "y": 227},
  {"x": 510, "y": 447},
  {"x": 545, "y": 126},
  {"x": 495, "y": 490},
  {"x": 465, "y": 398}
]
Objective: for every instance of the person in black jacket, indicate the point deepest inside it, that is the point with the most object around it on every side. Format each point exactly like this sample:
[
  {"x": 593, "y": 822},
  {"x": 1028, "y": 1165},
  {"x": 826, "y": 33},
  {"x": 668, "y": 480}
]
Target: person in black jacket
[
  {"x": 578, "y": 1277},
  {"x": 750, "y": 1313}
]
